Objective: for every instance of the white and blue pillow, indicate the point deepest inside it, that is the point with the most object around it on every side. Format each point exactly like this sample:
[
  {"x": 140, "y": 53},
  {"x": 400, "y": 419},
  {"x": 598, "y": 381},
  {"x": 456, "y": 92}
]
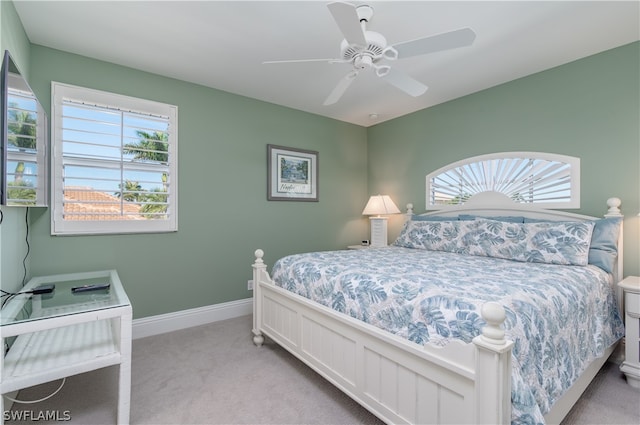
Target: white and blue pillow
[
  {"x": 569, "y": 243},
  {"x": 547, "y": 242},
  {"x": 438, "y": 235}
]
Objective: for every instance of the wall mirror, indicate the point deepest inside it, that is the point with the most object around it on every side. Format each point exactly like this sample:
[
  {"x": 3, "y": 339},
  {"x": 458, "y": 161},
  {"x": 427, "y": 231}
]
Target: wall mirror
[{"x": 24, "y": 141}]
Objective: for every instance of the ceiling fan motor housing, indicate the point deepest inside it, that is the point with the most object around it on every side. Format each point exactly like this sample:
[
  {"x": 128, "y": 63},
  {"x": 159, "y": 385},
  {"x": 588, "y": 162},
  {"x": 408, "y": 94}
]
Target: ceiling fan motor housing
[{"x": 376, "y": 44}]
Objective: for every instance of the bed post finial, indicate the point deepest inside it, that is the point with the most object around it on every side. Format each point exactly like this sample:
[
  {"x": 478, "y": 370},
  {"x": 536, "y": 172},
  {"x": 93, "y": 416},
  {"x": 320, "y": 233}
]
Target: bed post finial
[
  {"x": 614, "y": 207},
  {"x": 494, "y": 314},
  {"x": 409, "y": 214},
  {"x": 259, "y": 254}
]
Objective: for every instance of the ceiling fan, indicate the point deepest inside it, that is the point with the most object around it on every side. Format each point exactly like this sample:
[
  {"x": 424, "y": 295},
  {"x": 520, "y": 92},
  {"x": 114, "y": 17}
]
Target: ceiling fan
[{"x": 365, "y": 49}]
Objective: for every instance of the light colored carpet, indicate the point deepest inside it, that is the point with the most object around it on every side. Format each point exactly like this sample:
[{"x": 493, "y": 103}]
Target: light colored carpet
[{"x": 213, "y": 374}]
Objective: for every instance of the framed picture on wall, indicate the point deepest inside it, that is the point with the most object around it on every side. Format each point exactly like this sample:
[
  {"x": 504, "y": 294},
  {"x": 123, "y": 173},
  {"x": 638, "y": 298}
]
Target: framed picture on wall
[{"x": 292, "y": 174}]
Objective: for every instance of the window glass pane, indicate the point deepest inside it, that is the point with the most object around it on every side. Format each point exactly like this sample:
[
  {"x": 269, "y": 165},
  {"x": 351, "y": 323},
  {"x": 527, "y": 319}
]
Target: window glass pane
[
  {"x": 22, "y": 117},
  {"x": 145, "y": 139},
  {"x": 97, "y": 149},
  {"x": 92, "y": 177},
  {"x": 22, "y": 181}
]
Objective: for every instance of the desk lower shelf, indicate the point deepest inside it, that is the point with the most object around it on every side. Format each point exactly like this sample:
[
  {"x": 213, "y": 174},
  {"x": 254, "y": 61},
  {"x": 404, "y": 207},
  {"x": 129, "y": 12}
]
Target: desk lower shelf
[{"x": 43, "y": 356}]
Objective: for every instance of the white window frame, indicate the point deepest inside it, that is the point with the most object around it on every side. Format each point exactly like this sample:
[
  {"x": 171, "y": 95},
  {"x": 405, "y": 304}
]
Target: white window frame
[
  {"x": 473, "y": 184},
  {"x": 59, "y": 226}
]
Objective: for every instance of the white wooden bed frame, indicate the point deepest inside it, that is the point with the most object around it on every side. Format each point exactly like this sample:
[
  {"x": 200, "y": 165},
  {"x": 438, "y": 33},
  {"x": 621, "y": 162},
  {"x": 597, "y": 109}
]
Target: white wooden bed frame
[{"x": 400, "y": 381}]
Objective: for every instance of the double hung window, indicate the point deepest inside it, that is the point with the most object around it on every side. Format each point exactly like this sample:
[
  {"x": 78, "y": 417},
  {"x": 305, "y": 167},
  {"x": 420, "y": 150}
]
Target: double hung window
[{"x": 114, "y": 161}]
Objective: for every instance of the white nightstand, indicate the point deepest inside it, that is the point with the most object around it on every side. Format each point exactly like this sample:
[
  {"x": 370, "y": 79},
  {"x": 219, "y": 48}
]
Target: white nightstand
[{"x": 631, "y": 365}]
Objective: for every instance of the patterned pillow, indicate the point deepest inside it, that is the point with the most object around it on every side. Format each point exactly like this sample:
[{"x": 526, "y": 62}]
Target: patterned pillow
[
  {"x": 603, "y": 250},
  {"x": 543, "y": 242},
  {"x": 431, "y": 235},
  {"x": 540, "y": 242}
]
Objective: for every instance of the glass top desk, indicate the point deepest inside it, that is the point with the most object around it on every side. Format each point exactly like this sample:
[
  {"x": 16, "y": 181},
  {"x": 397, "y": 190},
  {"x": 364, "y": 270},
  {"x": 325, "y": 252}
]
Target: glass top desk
[{"x": 65, "y": 333}]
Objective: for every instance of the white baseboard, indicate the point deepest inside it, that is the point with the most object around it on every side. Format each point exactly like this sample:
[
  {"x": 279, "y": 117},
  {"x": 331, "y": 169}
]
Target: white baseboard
[{"x": 155, "y": 325}]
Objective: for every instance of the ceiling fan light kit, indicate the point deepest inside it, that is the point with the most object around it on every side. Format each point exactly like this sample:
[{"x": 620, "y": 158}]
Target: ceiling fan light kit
[{"x": 365, "y": 49}]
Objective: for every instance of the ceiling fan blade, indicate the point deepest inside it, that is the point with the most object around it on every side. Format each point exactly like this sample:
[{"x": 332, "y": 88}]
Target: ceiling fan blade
[
  {"x": 305, "y": 60},
  {"x": 347, "y": 19},
  {"x": 435, "y": 43},
  {"x": 339, "y": 90},
  {"x": 405, "y": 83}
]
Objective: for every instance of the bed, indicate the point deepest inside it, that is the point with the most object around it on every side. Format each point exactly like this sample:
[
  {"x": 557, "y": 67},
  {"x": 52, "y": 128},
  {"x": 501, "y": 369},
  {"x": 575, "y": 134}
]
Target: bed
[{"x": 499, "y": 345}]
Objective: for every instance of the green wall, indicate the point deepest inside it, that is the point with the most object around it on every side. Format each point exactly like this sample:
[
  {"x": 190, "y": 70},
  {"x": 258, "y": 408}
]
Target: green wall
[
  {"x": 13, "y": 235},
  {"x": 588, "y": 108},
  {"x": 223, "y": 212}
]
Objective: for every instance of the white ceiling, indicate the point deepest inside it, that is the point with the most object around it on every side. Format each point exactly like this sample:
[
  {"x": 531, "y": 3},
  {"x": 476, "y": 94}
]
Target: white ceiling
[{"x": 222, "y": 44}]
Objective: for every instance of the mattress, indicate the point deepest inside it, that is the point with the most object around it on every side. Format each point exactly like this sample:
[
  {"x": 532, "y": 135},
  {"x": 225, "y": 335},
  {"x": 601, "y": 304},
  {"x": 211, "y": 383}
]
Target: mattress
[{"x": 560, "y": 317}]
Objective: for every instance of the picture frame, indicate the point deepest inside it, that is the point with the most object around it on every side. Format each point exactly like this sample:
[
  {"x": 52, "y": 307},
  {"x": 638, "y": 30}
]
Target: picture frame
[{"x": 292, "y": 174}]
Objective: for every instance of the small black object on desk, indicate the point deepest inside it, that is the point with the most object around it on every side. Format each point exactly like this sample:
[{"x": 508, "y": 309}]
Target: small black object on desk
[{"x": 88, "y": 288}]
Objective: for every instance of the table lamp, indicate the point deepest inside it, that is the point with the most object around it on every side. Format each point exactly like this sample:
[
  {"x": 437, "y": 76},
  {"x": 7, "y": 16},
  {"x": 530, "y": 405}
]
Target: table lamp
[{"x": 377, "y": 206}]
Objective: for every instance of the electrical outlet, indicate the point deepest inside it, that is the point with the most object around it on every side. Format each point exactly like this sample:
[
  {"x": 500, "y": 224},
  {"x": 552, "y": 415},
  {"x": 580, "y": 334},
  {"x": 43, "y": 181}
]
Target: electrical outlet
[{"x": 250, "y": 285}]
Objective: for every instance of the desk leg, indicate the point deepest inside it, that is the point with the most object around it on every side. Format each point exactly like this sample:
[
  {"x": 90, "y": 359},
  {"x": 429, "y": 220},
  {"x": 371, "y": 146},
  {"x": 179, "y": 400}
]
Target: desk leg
[
  {"x": 1, "y": 373},
  {"x": 124, "y": 379}
]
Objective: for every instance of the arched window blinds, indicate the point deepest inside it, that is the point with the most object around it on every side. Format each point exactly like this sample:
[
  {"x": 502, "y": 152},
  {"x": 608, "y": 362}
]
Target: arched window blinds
[{"x": 547, "y": 180}]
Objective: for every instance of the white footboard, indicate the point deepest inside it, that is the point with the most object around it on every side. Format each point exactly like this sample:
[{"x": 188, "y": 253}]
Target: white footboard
[{"x": 395, "y": 379}]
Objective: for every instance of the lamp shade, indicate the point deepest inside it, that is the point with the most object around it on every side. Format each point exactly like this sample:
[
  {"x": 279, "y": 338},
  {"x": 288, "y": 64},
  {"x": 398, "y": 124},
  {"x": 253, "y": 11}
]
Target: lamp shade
[{"x": 380, "y": 205}]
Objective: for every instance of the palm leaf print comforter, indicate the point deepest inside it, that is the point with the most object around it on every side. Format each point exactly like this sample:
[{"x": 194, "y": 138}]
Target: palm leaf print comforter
[{"x": 559, "y": 317}]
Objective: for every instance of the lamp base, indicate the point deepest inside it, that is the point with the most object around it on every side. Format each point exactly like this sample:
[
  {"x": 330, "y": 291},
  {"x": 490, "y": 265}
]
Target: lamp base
[{"x": 378, "y": 231}]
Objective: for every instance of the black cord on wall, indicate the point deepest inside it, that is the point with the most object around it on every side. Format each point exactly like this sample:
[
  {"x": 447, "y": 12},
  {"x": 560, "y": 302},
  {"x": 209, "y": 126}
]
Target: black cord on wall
[{"x": 24, "y": 260}]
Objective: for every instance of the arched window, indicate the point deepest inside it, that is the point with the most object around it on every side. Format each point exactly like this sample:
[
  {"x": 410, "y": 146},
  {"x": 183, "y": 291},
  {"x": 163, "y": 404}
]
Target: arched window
[{"x": 545, "y": 179}]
